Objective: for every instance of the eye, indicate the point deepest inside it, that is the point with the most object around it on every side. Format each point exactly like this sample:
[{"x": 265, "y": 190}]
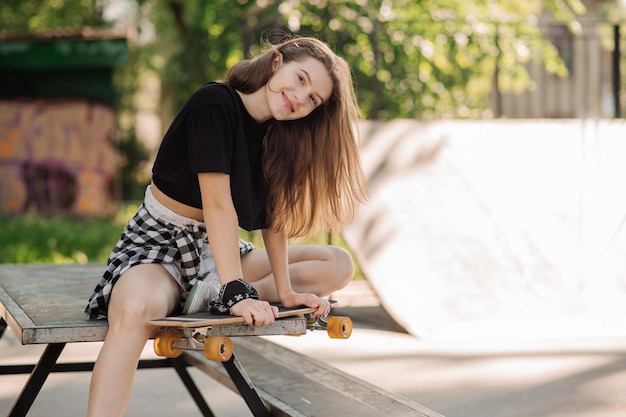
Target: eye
[
  {"x": 313, "y": 100},
  {"x": 301, "y": 79}
]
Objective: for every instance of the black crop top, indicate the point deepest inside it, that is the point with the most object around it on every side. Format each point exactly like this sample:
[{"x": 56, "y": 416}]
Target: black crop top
[{"x": 214, "y": 132}]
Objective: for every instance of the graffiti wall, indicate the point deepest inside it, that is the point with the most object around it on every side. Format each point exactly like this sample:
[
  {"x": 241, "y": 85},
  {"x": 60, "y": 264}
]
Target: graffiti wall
[{"x": 57, "y": 157}]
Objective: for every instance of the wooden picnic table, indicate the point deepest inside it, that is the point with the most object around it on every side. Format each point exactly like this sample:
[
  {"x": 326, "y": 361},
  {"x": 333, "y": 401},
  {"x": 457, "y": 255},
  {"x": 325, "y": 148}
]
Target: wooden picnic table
[{"x": 44, "y": 304}]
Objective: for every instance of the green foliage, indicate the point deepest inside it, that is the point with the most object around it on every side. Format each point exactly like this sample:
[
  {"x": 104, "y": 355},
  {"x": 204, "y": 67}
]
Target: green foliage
[
  {"x": 133, "y": 151},
  {"x": 416, "y": 59},
  {"x": 35, "y": 239},
  {"x": 195, "y": 43},
  {"x": 133, "y": 176},
  {"x": 432, "y": 58},
  {"x": 30, "y": 16},
  {"x": 426, "y": 59}
]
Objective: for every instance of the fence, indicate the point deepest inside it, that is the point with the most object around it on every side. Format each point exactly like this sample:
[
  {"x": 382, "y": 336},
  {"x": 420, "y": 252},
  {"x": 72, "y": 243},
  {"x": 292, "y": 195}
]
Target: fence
[{"x": 594, "y": 87}]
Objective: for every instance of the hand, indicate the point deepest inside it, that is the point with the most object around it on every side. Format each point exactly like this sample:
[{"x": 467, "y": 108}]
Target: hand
[
  {"x": 294, "y": 299},
  {"x": 255, "y": 312}
]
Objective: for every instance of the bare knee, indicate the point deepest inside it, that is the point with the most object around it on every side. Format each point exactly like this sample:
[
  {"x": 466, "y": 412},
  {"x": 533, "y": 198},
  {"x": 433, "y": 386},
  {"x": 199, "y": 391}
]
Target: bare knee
[
  {"x": 343, "y": 268},
  {"x": 142, "y": 294},
  {"x": 128, "y": 311},
  {"x": 128, "y": 315}
]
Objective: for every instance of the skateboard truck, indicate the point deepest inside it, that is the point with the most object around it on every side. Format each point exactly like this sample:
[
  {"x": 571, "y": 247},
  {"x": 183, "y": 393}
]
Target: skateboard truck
[
  {"x": 336, "y": 326},
  {"x": 215, "y": 341}
]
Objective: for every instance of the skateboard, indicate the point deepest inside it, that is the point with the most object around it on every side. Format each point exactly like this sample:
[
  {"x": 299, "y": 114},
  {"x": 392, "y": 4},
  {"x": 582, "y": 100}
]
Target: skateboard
[{"x": 211, "y": 333}]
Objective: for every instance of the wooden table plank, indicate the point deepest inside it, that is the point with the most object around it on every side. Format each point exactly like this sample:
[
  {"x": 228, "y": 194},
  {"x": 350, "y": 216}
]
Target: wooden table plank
[
  {"x": 44, "y": 303},
  {"x": 295, "y": 385}
]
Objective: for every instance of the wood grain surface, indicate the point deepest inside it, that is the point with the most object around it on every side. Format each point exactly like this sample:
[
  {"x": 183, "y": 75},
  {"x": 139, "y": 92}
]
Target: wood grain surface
[{"x": 45, "y": 303}]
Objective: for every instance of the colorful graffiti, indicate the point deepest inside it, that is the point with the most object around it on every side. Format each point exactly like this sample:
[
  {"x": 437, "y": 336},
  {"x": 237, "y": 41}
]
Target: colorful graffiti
[{"x": 57, "y": 157}]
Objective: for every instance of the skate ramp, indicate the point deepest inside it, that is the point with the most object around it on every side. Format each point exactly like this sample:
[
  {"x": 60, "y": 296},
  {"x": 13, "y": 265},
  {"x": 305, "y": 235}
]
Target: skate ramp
[{"x": 496, "y": 229}]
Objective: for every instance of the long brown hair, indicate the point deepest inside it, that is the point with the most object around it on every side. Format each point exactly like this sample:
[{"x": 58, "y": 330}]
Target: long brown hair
[{"x": 312, "y": 168}]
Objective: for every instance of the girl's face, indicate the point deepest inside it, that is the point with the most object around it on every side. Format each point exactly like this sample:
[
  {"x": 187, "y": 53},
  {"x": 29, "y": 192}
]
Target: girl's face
[{"x": 297, "y": 88}]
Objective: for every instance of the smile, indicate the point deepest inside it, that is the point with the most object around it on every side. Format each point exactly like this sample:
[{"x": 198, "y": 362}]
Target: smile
[{"x": 288, "y": 104}]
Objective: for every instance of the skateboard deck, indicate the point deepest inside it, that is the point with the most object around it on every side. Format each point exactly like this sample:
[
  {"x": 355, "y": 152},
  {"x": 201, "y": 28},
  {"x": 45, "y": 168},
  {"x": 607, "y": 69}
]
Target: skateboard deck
[
  {"x": 211, "y": 332},
  {"x": 206, "y": 319}
]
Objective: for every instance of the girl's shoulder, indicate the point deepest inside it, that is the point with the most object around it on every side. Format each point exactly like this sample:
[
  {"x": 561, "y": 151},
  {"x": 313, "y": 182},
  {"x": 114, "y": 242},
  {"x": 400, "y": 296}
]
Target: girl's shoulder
[{"x": 216, "y": 92}]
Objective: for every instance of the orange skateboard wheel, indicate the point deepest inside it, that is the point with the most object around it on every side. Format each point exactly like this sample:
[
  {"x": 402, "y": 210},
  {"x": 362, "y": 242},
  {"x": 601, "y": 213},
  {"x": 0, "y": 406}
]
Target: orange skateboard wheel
[
  {"x": 164, "y": 344},
  {"x": 339, "y": 327},
  {"x": 218, "y": 348}
]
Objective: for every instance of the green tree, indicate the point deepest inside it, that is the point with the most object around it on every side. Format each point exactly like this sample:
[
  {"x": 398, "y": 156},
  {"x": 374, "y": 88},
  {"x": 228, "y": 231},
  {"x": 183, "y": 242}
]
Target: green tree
[
  {"x": 433, "y": 58},
  {"x": 35, "y": 16},
  {"x": 426, "y": 59},
  {"x": 415, "y": 59},
  {"x": 196, "y": 42}
]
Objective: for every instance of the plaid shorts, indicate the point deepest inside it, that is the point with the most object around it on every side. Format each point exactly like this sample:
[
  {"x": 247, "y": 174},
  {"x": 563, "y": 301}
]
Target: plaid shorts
[{"x": 156, "y": 235}]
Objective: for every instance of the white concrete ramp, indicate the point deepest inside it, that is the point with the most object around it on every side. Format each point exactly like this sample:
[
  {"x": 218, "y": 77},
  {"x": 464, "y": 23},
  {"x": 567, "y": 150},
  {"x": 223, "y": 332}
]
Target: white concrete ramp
[{"x": 496, "y": 229}]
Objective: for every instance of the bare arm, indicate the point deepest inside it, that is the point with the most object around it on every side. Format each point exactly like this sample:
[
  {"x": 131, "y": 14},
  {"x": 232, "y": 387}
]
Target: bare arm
[
  {"x": 222, "y": 225},
  {"x": 276, "y": 246},
  {"x": 220, "y": 219}
]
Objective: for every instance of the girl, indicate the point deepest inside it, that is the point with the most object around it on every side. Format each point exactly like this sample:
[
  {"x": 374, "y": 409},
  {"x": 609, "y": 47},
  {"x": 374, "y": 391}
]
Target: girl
[{"x": 271, "y": 148}]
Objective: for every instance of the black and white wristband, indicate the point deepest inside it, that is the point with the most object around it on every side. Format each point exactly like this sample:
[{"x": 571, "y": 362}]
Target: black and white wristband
[{"x": 230, "y": 294}]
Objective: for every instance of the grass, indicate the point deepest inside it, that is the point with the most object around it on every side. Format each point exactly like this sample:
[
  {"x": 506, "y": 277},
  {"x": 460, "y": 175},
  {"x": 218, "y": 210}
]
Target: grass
[{"x": 36, "y": 239}]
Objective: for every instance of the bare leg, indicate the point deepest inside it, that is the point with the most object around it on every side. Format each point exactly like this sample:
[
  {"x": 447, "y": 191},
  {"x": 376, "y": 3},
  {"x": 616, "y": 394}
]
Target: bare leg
[
  {"x": 142, "y": 293},
  {"x": 317, "y": 269}
]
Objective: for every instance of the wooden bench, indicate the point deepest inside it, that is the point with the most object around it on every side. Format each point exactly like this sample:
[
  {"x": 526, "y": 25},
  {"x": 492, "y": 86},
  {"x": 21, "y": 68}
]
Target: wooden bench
[
  {"x": 296, "y": 385},
  {"x": 43, "y": 304}
]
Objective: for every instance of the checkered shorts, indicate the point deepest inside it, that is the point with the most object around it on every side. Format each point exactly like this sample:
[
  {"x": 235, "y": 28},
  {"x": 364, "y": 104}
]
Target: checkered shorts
[{"x": 148, "y": 239}]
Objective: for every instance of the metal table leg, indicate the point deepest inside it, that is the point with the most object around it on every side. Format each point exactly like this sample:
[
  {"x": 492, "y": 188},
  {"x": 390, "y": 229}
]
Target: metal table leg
[
  {"x": 3, "y": 326},
  {"x": 181, "y": 368},
  {"x": 36, "y": 380},
  {"x": 245, "y": 387}
]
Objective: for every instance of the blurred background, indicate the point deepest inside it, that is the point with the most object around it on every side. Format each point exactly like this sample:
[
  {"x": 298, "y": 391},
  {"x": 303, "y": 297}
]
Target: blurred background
[
  {"x": 493, "y": 144},
  {"x": 497, "y": 124}
]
